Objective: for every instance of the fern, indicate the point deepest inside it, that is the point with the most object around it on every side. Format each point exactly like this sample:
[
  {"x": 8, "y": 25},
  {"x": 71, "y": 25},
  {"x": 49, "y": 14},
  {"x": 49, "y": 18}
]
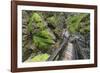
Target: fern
[
  {"x": 53, "y": 20},
  {"x": 74, "y": 22},
  {"x": 36, "y": 17},
  {"x": 42, "y": 41},
  {"x": 45, "y": 34},
  {"x": 40, "y": 57}
]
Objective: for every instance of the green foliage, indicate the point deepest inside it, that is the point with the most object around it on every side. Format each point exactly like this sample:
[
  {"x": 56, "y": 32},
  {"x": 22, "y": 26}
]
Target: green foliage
[
  {"x": 54, "y": 20},
  {"x": 40, "y": 57},
  {"x": 40, "y": 25},
  {"x": 43, "y": 39},
  {"x": 74, "y": 23},
  {"x": 45, "y": 34},
  {"x": 56, "y": 24},
  {"x": 36, "y": 17}
]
